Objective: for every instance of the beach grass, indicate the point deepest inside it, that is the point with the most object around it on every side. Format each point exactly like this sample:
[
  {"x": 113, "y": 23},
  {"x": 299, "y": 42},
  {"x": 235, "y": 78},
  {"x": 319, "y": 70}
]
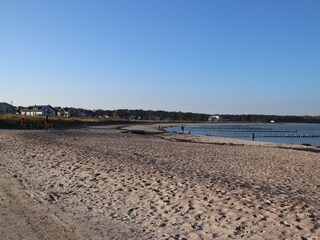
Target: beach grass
[{"x": 12, "y": 121}]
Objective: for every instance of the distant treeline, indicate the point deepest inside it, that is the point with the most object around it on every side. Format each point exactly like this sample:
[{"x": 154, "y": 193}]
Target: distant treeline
[
  {"x": 188, "y": 116},
  {"x": 147, "y": 114},
  {"x": 269, "y": 118}
]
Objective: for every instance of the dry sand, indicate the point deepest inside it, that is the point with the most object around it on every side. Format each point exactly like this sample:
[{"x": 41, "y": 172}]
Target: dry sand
[{"x": 104, "y": 183}]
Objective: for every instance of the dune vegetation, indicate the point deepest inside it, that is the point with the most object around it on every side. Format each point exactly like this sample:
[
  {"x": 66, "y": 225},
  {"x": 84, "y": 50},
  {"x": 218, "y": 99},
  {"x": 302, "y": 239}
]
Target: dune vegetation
[{"x": 13, "y": 121}]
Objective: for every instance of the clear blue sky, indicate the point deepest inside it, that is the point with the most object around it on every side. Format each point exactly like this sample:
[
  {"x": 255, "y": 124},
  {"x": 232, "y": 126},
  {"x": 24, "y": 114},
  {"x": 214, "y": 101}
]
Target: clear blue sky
[{"x": 226, "y": 56}]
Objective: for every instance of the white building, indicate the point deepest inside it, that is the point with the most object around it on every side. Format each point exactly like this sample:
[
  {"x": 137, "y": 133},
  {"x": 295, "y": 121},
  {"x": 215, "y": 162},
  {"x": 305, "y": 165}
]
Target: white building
[
  {"x": 67, "y": 112},
  {"x": 215, "y": 118},
  {"x": 41, "y": 110}
]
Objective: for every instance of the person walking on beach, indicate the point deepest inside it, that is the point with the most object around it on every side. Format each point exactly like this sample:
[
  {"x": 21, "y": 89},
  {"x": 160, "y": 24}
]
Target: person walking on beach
[
  {"x": 46, "y": 122},
  {"x": 23, "y": 123},
  {"x": 182, "y": 129}
]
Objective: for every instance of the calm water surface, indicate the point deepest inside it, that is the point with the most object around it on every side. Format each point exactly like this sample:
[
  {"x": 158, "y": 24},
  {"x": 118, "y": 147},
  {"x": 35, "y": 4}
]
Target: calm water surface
[{"x": 278, "y": 133}]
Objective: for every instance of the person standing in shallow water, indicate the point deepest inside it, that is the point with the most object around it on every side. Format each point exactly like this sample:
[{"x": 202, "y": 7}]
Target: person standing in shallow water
[
  {"x": 182, "y": 129},
  {"x": 252, "y": 136}
]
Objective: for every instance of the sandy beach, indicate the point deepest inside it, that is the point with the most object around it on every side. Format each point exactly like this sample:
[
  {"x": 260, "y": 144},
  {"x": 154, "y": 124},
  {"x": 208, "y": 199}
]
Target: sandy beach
[{"x": 140, "y": 183}]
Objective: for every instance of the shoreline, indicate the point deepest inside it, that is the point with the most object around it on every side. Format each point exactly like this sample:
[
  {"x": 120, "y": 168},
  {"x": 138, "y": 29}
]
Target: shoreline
[
  {"x": 154, "y": 129},
  {"x": 261, "y": 141}
]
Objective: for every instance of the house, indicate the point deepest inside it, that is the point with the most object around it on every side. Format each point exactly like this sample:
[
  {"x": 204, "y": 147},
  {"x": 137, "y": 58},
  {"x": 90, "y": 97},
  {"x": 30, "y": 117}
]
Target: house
[
  {"x": 7, "y": 108},
  {"x": 215, "y": 118},
  {"x": 70, "y": 112},
  {"x": 67, "y": 112},
  {"x": 39, "y": 110}
]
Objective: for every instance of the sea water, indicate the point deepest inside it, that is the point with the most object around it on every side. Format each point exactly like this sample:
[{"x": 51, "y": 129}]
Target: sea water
[{"x": 279, "y": 133}]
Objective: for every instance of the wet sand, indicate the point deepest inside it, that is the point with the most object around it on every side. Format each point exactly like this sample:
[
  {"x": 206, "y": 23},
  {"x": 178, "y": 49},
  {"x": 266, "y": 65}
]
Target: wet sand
[{"x": 107, "y": 183}]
